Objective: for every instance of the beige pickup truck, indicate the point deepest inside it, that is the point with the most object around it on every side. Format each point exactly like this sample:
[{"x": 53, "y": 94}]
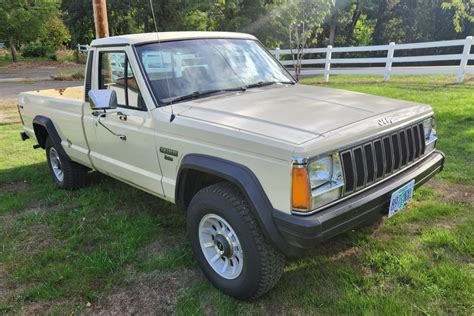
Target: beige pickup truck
[{"x": 262, "y": 166}]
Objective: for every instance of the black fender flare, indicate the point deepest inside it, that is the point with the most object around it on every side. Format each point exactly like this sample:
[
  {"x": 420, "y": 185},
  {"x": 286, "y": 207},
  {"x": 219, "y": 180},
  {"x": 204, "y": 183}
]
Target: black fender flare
[
  {"x": 244, "y": 179},
  {"x": 47, "y": 123}
]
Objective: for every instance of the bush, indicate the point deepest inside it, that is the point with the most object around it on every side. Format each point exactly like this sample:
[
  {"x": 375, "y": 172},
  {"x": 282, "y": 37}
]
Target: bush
[
  {"x": 35, "y": 49},
  {"x": 64, "y": 55},
  {"x": 67, "y": 75},
  {"x": 80, "y": 57}
]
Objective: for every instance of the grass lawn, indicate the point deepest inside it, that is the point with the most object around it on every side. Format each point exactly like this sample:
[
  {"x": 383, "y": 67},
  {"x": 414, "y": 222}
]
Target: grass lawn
[
  {"x": 6, "y": 59},
  {"x": 110, "y": 247}
]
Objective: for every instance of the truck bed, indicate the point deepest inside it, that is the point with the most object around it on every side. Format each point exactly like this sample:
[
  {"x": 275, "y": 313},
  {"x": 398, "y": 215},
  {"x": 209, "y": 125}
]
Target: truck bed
[
  {"x": 65, "y": 109},
  {"x": 76, "y": 93}
]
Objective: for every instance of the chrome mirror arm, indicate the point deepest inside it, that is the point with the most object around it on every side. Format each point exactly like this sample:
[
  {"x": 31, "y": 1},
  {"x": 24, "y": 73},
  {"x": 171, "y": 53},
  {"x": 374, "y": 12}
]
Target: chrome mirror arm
[{"x": 98, "y": 121}]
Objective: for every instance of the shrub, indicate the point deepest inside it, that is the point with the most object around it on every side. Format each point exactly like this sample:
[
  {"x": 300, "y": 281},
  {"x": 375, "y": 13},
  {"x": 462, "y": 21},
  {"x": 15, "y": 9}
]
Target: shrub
[
  {"x": 35, "y": 49},
  {"x": 80, "y": 58},
  {"x": 67, "y": 76},
  {"x": 64, "y": 55}
]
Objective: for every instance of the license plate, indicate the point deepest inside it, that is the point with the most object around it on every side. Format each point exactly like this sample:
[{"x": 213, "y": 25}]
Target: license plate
[{"x": 400, "y": 198}]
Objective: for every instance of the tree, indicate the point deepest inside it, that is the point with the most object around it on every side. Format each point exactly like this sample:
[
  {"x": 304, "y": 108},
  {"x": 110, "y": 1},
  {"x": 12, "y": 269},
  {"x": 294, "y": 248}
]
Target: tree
[
  {"x": 463, "y": 13},
  {"x": 303, "y": 20},
  {"x": 54, "y": 34},
  {"x": 22, "y": 20}
]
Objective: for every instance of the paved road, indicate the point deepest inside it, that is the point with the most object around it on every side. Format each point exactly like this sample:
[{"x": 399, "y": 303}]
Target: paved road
[
  {"x": 41, "y": 73},
  {"x": 35, "y": 72},
  {"x": 10, "y": 90}
]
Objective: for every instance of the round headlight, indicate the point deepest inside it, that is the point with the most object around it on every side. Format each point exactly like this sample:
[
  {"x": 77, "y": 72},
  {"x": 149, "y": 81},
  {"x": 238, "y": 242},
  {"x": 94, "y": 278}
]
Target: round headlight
[{"x": 320, "y": 171}]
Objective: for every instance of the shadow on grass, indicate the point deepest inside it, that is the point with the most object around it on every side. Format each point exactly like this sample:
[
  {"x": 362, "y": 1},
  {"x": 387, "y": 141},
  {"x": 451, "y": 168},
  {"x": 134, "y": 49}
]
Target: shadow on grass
[{"x": 97, "y": 233}]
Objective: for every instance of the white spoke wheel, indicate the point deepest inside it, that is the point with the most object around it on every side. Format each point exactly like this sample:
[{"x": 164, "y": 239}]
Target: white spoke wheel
[
  {"x": 56, "y": 165},
  {"x": 221, "y": 246},
  {"x": 228, "y": 243}
]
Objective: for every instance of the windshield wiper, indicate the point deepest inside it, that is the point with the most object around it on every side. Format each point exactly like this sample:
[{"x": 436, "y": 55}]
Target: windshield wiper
[
  {"x": 201, "y": 94},
  {"x": 267, "y": 83}
]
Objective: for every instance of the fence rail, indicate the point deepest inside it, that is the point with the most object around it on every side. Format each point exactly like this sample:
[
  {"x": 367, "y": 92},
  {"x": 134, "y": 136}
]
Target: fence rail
[
  {"x": 386, "y": 63},
  {"x": 82, "y": 48}
]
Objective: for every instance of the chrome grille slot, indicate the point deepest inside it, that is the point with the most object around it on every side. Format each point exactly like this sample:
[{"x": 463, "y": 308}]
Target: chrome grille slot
[
  {"x": 396, "y": 151},
  {"x": 416, "y": 135},
  {"x": 359, "y": 167},
  {"x": 379, "y": 159},
  {"x": 422, "y": 138},
  {"x": 369, "y": 158},
  {"x": 346, "y": 158},
  {"x": 372, "y": 161},
  {"x": 388, "y": 155},
  {"x": 411, "y": 145},
  {"x": 404, "y": 147}
]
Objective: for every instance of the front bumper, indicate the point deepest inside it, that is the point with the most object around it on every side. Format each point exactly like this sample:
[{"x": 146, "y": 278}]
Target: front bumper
[{"x": 306, "y": 231}]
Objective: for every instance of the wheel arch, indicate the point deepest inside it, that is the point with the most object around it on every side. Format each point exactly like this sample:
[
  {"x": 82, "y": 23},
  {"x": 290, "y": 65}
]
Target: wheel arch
[
  {"x": 43, "y": 127},
  {"x": 218, "y": 170}
]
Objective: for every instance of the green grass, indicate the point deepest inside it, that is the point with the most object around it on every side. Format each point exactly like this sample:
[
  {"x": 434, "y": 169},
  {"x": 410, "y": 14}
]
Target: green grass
[
  {"x": 70, "y": 75},
  {"x": 6, "y": 59},
  {"x": 60, "y": 250}
]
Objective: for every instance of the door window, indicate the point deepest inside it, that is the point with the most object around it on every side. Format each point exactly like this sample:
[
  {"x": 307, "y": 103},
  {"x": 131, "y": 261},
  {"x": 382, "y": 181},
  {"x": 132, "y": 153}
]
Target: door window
[{"x": 117, "y": 74}]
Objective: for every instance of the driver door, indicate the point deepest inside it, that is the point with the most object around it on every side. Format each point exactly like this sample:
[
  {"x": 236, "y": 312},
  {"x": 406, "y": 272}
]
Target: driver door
[{"x": 124, "y": 147}]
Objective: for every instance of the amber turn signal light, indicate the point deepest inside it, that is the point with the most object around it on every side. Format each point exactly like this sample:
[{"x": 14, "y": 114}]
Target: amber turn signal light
[{"x": 300, "y": 195}]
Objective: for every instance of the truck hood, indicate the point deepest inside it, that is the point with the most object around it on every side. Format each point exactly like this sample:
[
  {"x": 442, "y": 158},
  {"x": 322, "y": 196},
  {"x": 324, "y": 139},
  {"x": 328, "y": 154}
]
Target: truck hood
[{"x": 291, "y": 113}]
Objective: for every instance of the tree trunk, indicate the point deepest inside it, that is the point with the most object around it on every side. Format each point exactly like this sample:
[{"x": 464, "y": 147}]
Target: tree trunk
[
  {"x": 11, "y": 45},
  {"x": 332, "y": 33},
  {"x": 355, "y": 18}
]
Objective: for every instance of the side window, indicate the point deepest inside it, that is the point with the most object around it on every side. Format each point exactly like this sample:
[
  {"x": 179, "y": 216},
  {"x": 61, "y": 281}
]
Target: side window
[{"x": 117, "y": 74}]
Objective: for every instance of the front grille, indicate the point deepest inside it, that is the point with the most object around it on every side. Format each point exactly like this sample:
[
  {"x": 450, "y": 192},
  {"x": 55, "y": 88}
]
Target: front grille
[{"x": 374, "y": 160}]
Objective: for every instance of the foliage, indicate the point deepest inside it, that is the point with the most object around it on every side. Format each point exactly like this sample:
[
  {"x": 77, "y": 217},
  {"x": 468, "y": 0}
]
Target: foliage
[
  {"x": 463, "y": 12},
  {"x": 65, "y": 55},
  {"x": 70, "y": 75},
  {"x": 363, "y": 31},
  {"x": 54, "y": 34},
  {"x": 35, "y": 49},
  {"x": 22, "y": 20},
  {"x": 78, "y": 17}
]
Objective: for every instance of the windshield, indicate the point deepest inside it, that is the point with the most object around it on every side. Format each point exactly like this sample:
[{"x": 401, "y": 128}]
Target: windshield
[{"x": 180, "y": 69}]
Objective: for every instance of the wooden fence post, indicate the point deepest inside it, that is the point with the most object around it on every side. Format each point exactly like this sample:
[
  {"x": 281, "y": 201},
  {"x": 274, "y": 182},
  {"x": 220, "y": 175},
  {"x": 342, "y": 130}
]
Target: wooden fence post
[
  {"x": 464, "y": 59},
  {"x": 327, "y": 66},
  {"x": 388, "y": 63},
  {"x": 277, "y": 53}
]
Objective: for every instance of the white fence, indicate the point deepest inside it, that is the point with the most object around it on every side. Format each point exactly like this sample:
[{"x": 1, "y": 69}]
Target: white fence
[
  {"x": 386, "y": 62},
  {"x": 82, "y": 48}
]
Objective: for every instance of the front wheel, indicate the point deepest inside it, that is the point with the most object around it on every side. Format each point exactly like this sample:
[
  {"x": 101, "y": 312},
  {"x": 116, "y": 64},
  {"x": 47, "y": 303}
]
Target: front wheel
[{"x": 229, "y": 245}]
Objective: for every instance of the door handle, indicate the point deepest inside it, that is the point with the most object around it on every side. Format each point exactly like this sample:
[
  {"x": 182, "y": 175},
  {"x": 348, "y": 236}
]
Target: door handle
[{"x": 122, "y": 116}]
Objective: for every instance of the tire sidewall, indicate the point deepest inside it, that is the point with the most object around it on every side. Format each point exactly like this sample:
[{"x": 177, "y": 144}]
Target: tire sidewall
[
  {"x": 247, "y": 282},
  {"x": 59, "y": 183}
]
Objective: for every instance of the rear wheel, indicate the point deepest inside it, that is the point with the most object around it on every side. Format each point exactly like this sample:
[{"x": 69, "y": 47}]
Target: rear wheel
[
  {"x": 66, "y": 174},
  {"x": 229, "y": 245}
]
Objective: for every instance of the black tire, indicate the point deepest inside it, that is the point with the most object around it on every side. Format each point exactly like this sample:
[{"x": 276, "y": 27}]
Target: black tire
[
  {"x": 74, "y": 174},
  {"x": 262, "y": 263}
]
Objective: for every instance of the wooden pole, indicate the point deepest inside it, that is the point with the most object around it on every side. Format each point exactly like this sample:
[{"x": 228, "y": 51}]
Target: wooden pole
[{"x": 100, "y": 18}]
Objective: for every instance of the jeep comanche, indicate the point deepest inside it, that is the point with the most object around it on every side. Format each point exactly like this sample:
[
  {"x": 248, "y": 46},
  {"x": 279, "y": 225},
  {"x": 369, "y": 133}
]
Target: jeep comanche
[{"x": 263, "y": 166}]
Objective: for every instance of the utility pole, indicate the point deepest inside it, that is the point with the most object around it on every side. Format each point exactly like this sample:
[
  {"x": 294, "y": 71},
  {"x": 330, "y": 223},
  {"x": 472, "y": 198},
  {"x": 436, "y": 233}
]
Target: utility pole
[{"x": 100, "y": 18}]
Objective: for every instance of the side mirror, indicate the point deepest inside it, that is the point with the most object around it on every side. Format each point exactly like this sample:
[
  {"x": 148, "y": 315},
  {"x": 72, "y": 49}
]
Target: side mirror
[{"x": 103, "y": 99}]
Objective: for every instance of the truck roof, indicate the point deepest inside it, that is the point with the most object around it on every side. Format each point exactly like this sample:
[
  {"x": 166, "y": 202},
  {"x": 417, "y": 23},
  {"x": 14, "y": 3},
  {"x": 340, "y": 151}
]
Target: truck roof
[{"x": 131, "y": 39}]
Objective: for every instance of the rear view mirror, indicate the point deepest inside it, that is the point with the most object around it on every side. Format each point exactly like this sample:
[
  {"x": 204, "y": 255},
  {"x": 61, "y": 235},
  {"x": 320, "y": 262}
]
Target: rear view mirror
[{"x": 103, "y": 99}]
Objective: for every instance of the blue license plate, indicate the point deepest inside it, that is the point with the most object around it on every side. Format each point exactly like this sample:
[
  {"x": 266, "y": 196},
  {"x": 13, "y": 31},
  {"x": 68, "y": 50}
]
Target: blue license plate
[{"x": 400, "y": 198}]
